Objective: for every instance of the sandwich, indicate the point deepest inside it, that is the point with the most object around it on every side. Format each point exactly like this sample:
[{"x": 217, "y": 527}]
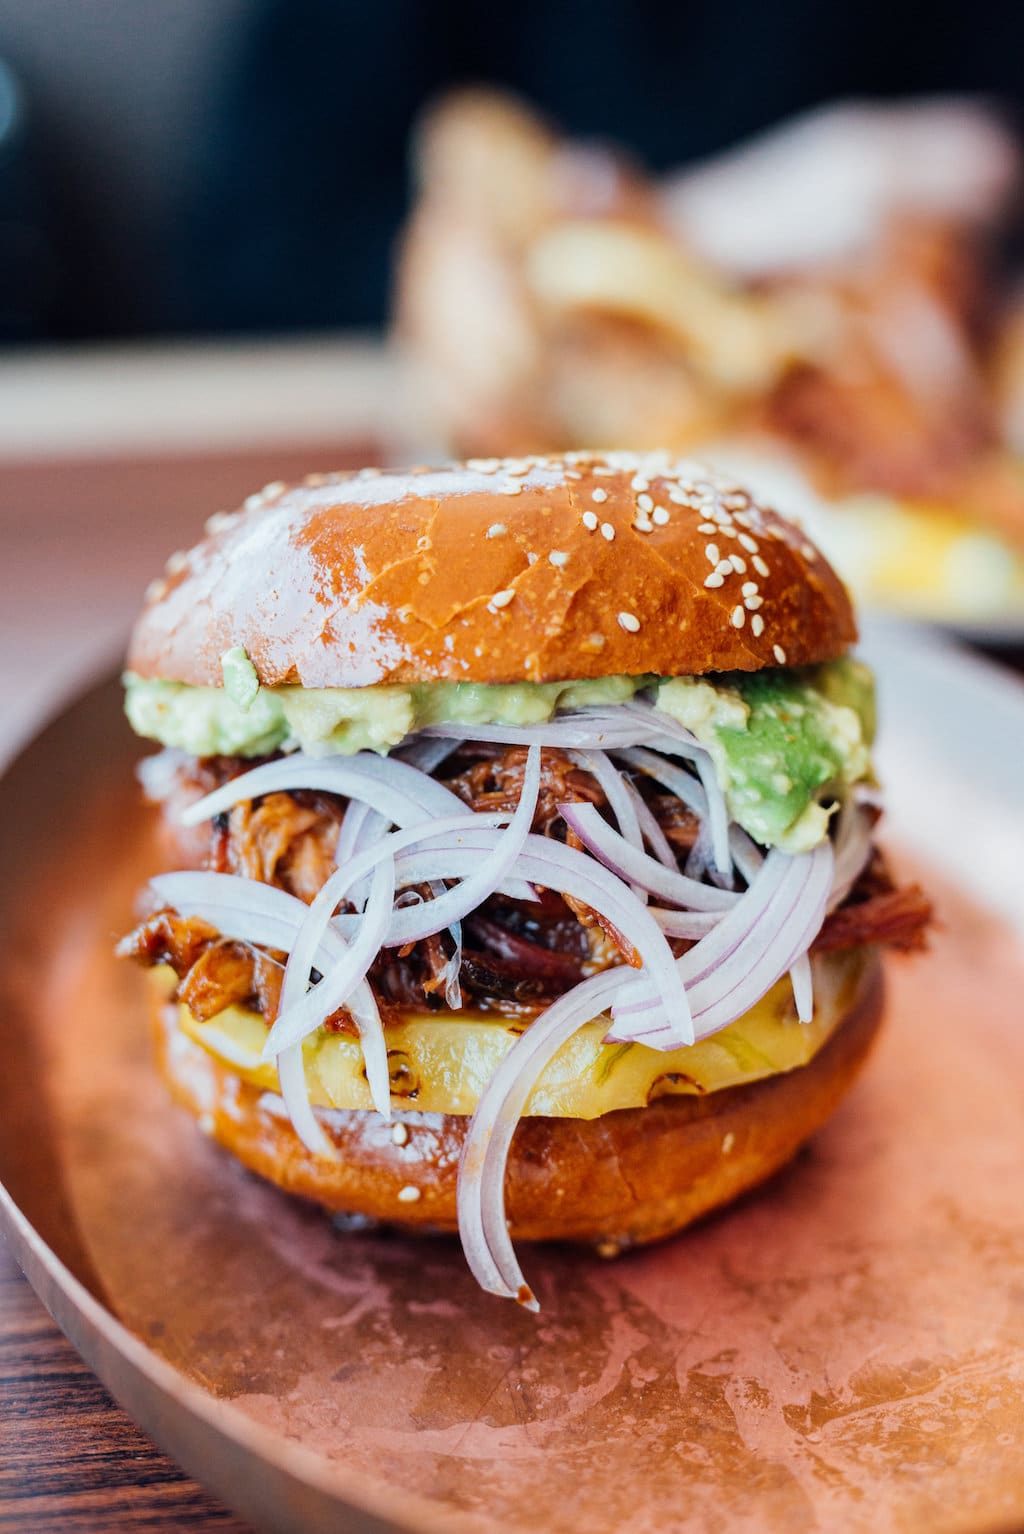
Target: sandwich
[{"x": 518, "y": 842}]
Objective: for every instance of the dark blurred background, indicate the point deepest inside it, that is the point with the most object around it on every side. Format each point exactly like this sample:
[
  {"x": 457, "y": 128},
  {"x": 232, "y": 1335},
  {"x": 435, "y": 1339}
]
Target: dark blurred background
[{"x": 213, "y": 166}]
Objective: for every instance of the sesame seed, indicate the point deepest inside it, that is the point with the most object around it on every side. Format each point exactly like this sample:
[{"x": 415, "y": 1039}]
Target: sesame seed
[
  {"x": 219, "y": 521},
  {"x": 496, "y": 530},
  {"x": 639, "y": 483},
  {"x": 724, "y": 567},
  {"x": 661, "y": 515},
  {"x": 155, "y": 590},
  {"x": 679, "y": 496},
  {"x": 714, "y": 579},
  {"x": 558, "y": 558},
  {"x": 728, "y": 1141},
  {"x": 749, "y": 588},
  {"x": 727, "y": 530},
  {"x": 484, "y": 465},
  {"x": 276, "y": 486},
  {"x": 599, "y": 495},
  {"x": 629, "y": 622},
  {"x": 501, "y": 599},
  {"x": 707, "y": 527},
  {"x": 712, "y": 553},
  {"x": 363, "y": 474},
  {"x": 408, "y": 1194},
  {"x": 314, "y": 481},
  {"x": 753, "y": 603},
  {"x": 253, "y": 502},
  {"x": 759, "y": 565},
  {"x": 607, "y": 531},
  {"x": 177, "y": 562},
  {"x": 643, "y": 524},
  {"x": 748, "y": 543},
  {"x": 590, "y": 520},
  {"x": 808, "y": 551},
  {"x": 511, "y": 487},
  {"x": 739, "y": 617},
  {"x": 645, "y": 502},
  {"x": 779, "y": 653},
  {"x": 399, "y": 1134},
  {"x": 757, "y": 625},
  {"x": 531, "y": 559},
  {"x": 596, "y": 642},
  {"x": 738, "y": 563},
  {"x": 518, "y": 466}
]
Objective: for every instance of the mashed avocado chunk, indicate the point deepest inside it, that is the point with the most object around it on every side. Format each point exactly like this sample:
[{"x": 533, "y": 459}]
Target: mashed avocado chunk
[
  {"x": 234, "y": 720},
  {"x": 782, "y": 741}
]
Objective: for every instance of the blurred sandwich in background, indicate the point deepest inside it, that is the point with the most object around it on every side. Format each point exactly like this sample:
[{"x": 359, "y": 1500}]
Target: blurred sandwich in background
[{"x": 820, "y": 309}]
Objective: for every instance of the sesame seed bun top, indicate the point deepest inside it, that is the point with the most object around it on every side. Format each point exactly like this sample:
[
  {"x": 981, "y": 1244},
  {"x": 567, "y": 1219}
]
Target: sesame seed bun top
[{"x": 496, "y": 570}]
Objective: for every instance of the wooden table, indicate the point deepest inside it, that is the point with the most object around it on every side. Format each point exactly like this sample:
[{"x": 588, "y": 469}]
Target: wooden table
[
  {"x": 107, "y": 464},
  {"x": 69, "y": 1457}
]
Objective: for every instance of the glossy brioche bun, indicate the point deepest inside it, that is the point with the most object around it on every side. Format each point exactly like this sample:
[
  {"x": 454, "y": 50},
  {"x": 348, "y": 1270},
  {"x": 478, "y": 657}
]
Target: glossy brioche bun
[
  {"x": 631, "y": 1176},
  {"x": 501, "y": 571}
]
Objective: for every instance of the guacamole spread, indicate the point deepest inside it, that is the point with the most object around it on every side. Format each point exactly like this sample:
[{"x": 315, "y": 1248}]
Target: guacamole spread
[{"x": 783, "y": 741}]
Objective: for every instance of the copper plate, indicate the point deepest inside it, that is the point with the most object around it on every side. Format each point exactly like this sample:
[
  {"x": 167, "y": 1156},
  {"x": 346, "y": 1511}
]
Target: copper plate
[{"x": 841, "y": 1351}]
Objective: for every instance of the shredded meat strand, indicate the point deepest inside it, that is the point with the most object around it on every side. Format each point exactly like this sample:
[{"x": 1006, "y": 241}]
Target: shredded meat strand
[{"x": 898, "y": 919}]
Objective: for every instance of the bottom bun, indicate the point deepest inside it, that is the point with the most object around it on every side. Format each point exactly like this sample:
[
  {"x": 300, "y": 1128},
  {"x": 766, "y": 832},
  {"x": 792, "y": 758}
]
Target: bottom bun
[{"x": 630, "y": 1176}]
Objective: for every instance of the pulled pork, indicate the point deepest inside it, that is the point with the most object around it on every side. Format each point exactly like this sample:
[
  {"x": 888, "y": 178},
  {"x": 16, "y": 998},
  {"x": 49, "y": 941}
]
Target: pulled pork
[{"x": 516, "y": 956}]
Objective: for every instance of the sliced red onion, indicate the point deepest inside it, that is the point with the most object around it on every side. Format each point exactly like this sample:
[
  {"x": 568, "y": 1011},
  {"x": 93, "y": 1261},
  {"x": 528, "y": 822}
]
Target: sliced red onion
[
  {"x": 291, "y": 1076},
  {"x": 616, "y": 790},
  {"x": 425, "y": 754},
  {"x": 771, "y": 948},
  {"x": 362, "y": 826},
  {"x": 677, "y": 740},
  {"x": 650, "y": 830},
  {"x": 852, "y": 850},
  {"x": 616, "y": 854},
  {"x": 699, "y": 859},
  {"x": 603, "y": 729},
  {"x": 453, "y": 969},
  {"x": 746, "y": 854},
  {"x": 303, "y": 1008},
  {"x": 802, "y": 979},
  {"x": 403, "y": 794},
  {"x": 359, "y": 820},
  {"x": 270, "y": 917},
  {"x": 749, "y": 948},
  {"x": 676, "y": 779},
  {"x": 687, "y": 924},
  {"x": 447, "y": 858},
  {"x": 736, "y": 926},
  {"x": 481, "y": 1184}
]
